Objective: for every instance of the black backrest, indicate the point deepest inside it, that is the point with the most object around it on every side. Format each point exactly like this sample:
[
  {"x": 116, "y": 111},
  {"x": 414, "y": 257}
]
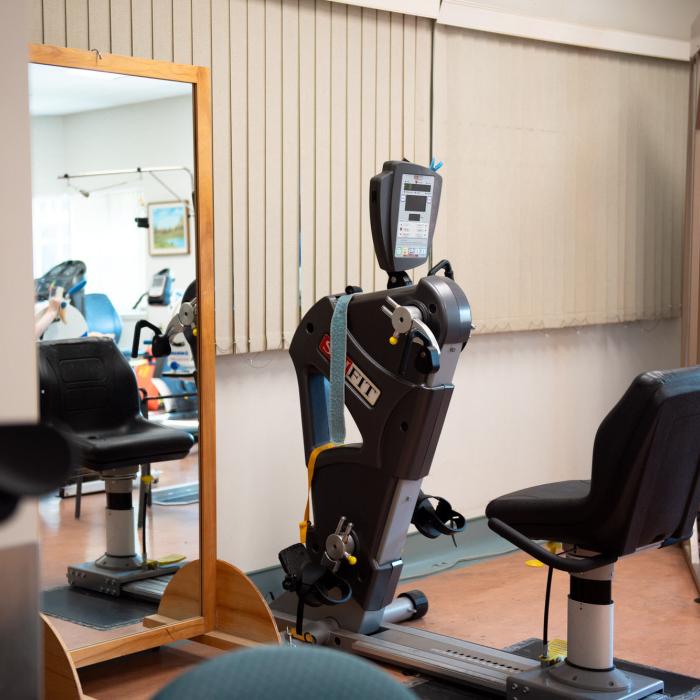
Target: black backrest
[
  {"x": 645, "y": 484},
  {"x": 86, "y": 384}
]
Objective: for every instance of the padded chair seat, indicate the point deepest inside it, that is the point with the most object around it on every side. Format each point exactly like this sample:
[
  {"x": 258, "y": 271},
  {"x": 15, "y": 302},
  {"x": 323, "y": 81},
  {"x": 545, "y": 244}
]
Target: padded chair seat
[
  {"x": 558, "y": 511},
  {"x": 645, "y": 478},
  {"x": 136, "y": 443},
  {"x": 89, "y": 393}
]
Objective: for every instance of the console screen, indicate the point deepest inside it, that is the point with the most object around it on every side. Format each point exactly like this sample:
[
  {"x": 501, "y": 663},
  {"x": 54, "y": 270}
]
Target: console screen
[{"x": 414, "y": 216}]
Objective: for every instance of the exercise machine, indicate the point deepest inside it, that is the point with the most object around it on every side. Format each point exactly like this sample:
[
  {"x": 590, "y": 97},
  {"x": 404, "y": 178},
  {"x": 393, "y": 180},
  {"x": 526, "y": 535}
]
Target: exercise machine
[
  {"x": 389, "y": 358},
  {"x": 68, "y": 274}
]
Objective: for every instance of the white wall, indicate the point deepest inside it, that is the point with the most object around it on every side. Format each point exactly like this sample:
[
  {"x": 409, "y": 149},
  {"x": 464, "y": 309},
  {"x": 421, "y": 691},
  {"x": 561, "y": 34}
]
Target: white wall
[
  {"x": 144, "y": 134},
  {"x": 525, "y": 410}
]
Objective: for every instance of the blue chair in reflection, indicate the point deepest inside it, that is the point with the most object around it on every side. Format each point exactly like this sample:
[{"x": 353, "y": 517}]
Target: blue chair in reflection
[{"x": 102, "y": 317}]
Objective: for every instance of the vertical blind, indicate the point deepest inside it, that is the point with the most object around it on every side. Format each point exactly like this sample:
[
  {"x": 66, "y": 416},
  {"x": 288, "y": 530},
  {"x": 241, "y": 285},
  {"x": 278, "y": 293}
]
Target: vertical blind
[
  {"x": 564, "y": 167},
  {"x": 564, "y": 180},
  {"x": 309, "y": 99}
]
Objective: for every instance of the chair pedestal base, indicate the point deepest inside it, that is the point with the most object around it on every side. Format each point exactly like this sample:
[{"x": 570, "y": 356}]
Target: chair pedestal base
[
  {"x": 562, "y": 682},
  {"x": 110, "y": 581}
]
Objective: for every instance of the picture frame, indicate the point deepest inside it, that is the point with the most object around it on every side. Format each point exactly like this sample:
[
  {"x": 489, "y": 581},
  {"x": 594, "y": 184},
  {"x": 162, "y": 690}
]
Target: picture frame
[{"x": 169, "y": 228}]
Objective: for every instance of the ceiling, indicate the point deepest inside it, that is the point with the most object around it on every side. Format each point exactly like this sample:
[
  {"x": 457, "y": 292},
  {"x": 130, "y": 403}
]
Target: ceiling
[{"x": 54, "y": 91}]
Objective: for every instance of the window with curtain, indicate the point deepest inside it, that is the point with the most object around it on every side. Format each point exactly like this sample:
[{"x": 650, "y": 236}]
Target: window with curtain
[
  {"x": 564, "y": 167},
  {"x": 321, "y": 95},
  {"x": 564, "y": 180}
]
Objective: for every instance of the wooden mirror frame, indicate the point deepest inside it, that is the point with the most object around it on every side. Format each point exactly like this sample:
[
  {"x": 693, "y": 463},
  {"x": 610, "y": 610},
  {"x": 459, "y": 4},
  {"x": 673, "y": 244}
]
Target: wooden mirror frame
[{"x": 199, "y": 78}]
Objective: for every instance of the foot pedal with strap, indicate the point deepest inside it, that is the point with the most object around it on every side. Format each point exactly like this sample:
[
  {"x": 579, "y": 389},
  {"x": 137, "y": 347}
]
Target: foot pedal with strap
[
  {"x": 433, "y": 521},
  {"x": 313, "y": 583}
]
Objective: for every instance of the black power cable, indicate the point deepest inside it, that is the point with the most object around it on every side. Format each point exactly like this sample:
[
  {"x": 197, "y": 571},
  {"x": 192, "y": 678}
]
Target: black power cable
[{"x": 545, "y": 632}]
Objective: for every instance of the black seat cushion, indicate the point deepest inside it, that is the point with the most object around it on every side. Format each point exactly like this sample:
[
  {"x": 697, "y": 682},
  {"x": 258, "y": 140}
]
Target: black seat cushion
[
  {"x": 535, "y": 510},
  {"x": 136, "y": 443},
  {"x": 89, "y": 393},
  {"x": 645, "y": 480}
]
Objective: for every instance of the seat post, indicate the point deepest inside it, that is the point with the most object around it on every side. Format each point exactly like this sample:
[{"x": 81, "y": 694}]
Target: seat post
[
  {"x": 121, "y": 551},
  {"x": 590, "y": 619},
  {"x": 590, "y": 664}
]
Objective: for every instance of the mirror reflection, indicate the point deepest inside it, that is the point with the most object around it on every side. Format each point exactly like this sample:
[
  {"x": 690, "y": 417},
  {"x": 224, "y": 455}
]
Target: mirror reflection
[{"x": 115, "y": 318}]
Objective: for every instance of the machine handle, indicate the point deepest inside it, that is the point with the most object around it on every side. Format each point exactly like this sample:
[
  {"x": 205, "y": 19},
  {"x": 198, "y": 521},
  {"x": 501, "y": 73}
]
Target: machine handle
[
  {"x": 137, "y": 335},
  {"x": 445, "y": 265},
  {"x": 76, "y": 288},
  {"x": 571, "y": 566}
]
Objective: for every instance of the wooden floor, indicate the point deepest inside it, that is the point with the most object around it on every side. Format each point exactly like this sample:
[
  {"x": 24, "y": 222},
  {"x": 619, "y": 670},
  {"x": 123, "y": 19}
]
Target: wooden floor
[
  {"x": 65, "y": 540},
  {"x": 496, "y": 603}
]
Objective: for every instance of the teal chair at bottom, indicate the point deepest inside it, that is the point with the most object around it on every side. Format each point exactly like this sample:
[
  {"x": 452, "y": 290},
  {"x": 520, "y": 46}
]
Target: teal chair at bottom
[{"x": 288, "y": 673}]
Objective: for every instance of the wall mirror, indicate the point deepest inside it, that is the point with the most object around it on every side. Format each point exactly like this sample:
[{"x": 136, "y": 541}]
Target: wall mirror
[{"x": 121, "y": 199}]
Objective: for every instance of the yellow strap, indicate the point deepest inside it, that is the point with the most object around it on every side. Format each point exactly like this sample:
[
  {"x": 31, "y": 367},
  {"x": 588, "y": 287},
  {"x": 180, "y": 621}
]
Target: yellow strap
[{"x": 304, "y": 524}]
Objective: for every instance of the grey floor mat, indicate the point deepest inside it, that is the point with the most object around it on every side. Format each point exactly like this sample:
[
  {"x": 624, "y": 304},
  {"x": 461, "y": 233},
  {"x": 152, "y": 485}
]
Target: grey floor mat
[
  {"x": 101, "y": 612},
  {"x": 676, "y": 686}
]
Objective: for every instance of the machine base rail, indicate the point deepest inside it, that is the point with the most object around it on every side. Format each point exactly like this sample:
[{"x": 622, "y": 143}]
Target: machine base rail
[
  {"x": 459, "y": 661},
  {"x": 109, "y": 581},
  {"x": 418, "y": 650}
]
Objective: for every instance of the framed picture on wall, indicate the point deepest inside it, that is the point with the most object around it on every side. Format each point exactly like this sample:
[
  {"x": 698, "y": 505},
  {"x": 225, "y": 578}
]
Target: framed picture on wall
[{"x": 168, "y": 228}]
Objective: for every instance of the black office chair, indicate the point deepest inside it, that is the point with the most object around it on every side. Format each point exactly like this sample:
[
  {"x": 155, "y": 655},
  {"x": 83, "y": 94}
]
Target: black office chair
[
  {"x": 89, "y": 393},
  {"x": 644, "y": 491}
]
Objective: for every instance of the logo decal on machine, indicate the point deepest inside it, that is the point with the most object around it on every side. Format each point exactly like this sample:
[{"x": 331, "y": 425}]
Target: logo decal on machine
[{"x": 354, "y": 376}]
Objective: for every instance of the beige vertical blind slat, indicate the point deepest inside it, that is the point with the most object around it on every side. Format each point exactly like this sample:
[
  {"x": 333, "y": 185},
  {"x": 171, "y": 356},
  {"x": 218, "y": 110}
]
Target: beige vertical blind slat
[
  {"x": 273, "y": 175},
  {"x": 256, "y": 174},
  {"x": 182, "y": 31},
  {"x": 290, "y": 170},
  {"x": 55, "y": 22},
  {"x": 307, "y": 150},
  {"x": 356, "y": 198},
  {"x": 368, "y": 135},
  {"x": 120, "y": 26},
  {"x": 99, "y": 35},
  {"x": 221, "y": 120},
  {"x": 77, "y": 23},
  {"x": 163, "y": 29},
  {"x": 396, "y": 86},
  {"x": 408, "y": 82},
  {"x": 201, "y": 33},
  {"x": 323, "y": 149},
  {"x": 569, "y": 174},
  {"x": 239, "y": 170},
  {"x": 382, "y": 125},
  {"x": 36, "y": 22},
  {"x": 142, "y": 28},
  {"x": 422, "y": 78},
  {"x": 338, "y": 140}
]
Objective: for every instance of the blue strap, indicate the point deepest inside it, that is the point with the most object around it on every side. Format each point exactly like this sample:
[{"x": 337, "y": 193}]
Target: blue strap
[{"x": 336, "y": 402}]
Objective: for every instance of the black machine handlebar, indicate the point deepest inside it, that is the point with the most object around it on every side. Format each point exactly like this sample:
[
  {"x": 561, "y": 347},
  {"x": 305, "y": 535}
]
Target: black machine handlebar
[
  {"x": 445, "y": 265},
  {"x": 570, "y": 565},
  {"x": 161, "y": 344}
]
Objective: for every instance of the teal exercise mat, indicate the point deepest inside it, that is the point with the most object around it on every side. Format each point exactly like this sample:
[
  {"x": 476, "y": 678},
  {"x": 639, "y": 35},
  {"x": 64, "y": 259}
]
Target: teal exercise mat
[
  {"x": 90, "y": 609},
  {"x": 676, "y": 685}
]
